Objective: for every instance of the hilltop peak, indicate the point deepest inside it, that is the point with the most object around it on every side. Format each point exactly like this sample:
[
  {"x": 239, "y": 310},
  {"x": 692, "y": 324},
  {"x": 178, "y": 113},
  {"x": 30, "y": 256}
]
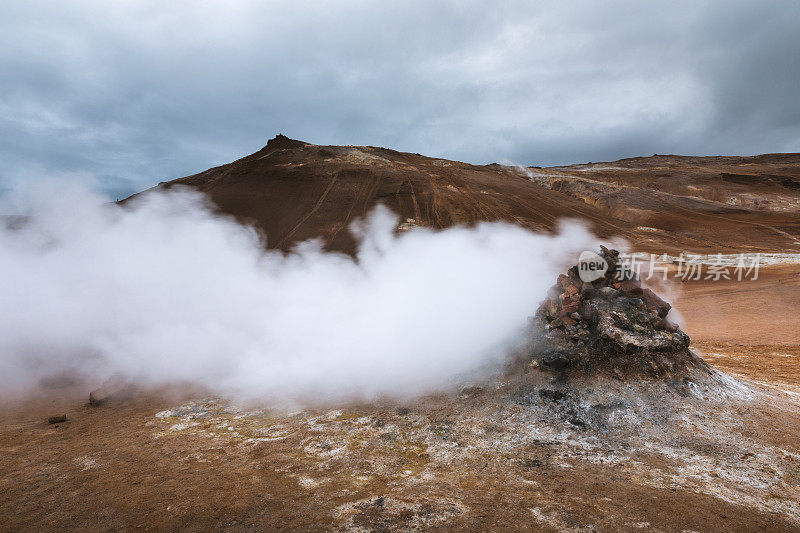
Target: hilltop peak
[{"x": 282, "y": 142}]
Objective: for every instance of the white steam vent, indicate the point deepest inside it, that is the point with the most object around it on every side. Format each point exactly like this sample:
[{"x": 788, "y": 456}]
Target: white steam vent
[{"x": 163, "y": 290}]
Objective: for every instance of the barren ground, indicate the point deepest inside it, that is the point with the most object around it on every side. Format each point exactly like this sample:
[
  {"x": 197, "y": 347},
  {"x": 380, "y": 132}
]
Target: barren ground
[
  {"x": 481, "y": 459},
  {"x": 714, "y": 453}
]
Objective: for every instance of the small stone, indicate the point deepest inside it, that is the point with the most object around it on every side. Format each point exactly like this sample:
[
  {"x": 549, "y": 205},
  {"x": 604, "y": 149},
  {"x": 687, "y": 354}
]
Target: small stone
[
  {"x": 113, "y": 386},
  {"x": 654, "y": 301},
  {"x": 471, "y": 390},
  {"x": 572, "y": 289},
  {"x": 554, "y": 395},
  {"x": 588, "y": 290},
  {"x": 57, "y": 419},
  {"x": 555, "y": 361},
  {"x": 575, "y": 316},
  {"x": 569, "y": 308},
  {"x": 609, "y": 293}
]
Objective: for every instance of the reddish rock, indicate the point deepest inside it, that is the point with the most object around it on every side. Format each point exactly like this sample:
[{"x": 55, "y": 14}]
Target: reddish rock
[
  {"x": 654, "y": 301},
  {"x": 571, "y": 290},
  {"x": 569, "y": 308},
  {"x": 631, "y": 288}
]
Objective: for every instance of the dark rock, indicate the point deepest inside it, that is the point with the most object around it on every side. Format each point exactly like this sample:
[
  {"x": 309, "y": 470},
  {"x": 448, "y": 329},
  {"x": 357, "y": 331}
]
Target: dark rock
[
  {"x": 57, "y": 419},
  {"x": 555, "y": 361},
  {"x": 577, "y": 422},
  {"x": 609, "y": 293},
  {"x": 552, "y": 394},
  {"x": 652, "y": 300}
]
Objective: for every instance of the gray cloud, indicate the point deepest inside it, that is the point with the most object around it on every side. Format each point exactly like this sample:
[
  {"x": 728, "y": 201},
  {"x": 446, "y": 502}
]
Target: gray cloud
[{"x": 133, "y": 93}]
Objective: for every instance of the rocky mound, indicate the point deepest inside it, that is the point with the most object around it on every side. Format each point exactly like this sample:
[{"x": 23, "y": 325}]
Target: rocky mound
[{"x": 611, "y": 323}]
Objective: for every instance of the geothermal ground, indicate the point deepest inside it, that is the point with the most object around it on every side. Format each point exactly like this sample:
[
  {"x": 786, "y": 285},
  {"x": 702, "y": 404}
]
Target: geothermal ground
[{"x": 718, "y": 449}]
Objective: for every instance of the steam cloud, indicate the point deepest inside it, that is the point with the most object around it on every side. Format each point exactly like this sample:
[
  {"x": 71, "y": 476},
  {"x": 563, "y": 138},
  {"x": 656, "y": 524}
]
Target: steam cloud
[{"x": 163, "y": 290}]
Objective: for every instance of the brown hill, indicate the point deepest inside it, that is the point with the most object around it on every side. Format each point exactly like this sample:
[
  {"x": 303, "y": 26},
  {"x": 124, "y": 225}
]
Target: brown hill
[{"x": 293, "y": 191}]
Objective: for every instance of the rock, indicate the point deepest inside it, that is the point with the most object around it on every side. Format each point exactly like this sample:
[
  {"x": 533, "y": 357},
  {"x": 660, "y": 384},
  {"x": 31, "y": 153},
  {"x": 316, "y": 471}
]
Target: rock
[
  {"x": 571, "y": 290},
  {"x": 57, "y": 419},
  {"x": 609, "y": 292},
  {"x": 553, "y": 395},
  {"x": 568, "y": 308},
  {"x": 588, "y": 290},
  {"x": 631, "y": 288},
  {"x": 574, "y": 276},
  {"x": 471, "y": 390},
  {"x": 577, "y": 422},
  {"x": 111, "y": 387},
  {"x": 652, "y": 300},
  {"x": 555, "y": 361}
]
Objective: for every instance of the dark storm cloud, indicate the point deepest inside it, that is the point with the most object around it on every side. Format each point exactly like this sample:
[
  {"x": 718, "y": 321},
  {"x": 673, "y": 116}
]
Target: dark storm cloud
[{"x": 131, "y": 93}]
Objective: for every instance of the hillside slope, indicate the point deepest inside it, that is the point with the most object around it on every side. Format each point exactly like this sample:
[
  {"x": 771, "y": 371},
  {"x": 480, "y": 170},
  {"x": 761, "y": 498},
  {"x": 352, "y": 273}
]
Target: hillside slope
[{"x": 293, "y": 191}]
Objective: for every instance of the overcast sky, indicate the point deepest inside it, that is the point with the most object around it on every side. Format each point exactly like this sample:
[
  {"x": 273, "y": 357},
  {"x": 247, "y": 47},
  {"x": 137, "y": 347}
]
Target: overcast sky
[{"x": 132, "y": 93}]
